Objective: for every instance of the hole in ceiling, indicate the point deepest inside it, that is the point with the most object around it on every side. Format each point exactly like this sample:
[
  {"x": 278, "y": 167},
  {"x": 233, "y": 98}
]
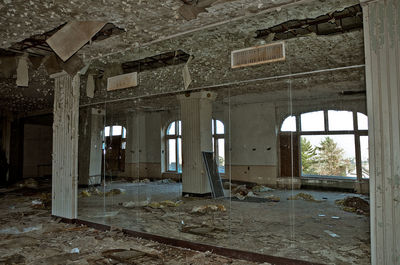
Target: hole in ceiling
[
  {"x": 36, "y": 44},
  {"x": 156, "y": 61},
  {"x": 345, "y": 20}
]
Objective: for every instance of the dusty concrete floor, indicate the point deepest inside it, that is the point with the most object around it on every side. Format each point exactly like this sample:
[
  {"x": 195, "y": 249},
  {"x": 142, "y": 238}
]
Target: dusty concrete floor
[
  {"x": 290, "y": 228},
  {"x": 29, "y": 235}
]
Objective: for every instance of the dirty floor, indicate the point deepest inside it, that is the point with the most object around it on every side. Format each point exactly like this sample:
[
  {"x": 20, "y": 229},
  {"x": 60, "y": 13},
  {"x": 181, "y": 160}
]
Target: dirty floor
[
  {"x": 318, "y": 230},
  {"x": 29, "y": 235}
]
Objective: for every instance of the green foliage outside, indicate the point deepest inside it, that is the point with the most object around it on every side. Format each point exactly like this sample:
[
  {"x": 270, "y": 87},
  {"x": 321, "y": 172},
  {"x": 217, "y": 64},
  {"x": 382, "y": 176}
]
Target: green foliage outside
[
  {"x": 308, "y": 155},
  {"x": 325, "y": 159}
]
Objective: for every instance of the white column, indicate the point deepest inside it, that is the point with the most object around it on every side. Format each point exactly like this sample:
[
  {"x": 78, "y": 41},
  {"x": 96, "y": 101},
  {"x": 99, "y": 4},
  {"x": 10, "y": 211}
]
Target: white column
[
  {"x": 196, "y": 115},
  {"x": 382, "y": 55},
  {"x": 65, "y": 145}
]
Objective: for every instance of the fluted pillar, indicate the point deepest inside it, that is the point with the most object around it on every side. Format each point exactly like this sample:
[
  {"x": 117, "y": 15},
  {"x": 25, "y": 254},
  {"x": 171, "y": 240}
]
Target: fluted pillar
[
  {"x": 196, "y": 116},
  {"x": 65, "y": 145},
  {"x": 382, "y": 56}
]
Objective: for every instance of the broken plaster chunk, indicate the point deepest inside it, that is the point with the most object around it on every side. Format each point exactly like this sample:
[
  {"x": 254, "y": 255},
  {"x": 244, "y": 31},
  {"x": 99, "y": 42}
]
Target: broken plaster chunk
[
  {"x": 23, "y": 72},
  {"x": 331, "y": 233},
  {"x": 209, "y": 208},
  {"x": 187, "y": 79}
]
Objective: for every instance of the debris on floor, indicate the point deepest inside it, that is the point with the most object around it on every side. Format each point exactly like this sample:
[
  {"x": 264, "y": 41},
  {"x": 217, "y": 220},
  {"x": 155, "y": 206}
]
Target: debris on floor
[
  {"x": 166, "y": 181},
  {"x": 95, "y": 191},
  {"x": 43, "y": 202},
  {"x": 75, "y": 250},
  {"x": 137, "y": 180},
  {"x": 115, "y": 192},
  {"x": 240, "y": 197},
  {"x": 132, "y": 204},
  {"x": 13, "y": 259},
  {"x": 163, "y": 204},
  {"x": 304, "y": 196},
  {"x": 202, "y": 230},
  {"x": 28, "y": 183},
  {"x": 354, "y": 205},
  {"x": 241, "y": 190},
  {"x": 331, "y": 233},
  {"x": 19, "y": 230},
  {"x": 260, "y": 188},
  {"x": 127, "y": 256},
  {"x": 209, "y": 208},
  {"x": 273, "y": 198},
  {"x": 85, "y": 193}
]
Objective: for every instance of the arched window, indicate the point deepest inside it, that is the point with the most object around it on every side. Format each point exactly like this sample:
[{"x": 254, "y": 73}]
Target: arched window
[
  {"x": 114, "y": 145},
  {"x": 218, "y": 133},
  {"x": 173, "y": 145},
  {"x": 328, "y": 143}
]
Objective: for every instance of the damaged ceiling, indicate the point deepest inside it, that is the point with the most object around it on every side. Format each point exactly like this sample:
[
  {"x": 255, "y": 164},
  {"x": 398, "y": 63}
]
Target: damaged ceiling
[{"x": 25, "y": 27}]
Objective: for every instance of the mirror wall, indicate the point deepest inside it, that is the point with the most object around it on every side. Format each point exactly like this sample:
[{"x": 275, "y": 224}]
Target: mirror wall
[{"x": 285, "y": 123}]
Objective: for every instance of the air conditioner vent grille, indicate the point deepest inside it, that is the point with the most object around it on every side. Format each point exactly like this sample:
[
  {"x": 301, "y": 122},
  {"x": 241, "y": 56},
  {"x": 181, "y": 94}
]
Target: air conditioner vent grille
[{"x": 258, "y": 55}]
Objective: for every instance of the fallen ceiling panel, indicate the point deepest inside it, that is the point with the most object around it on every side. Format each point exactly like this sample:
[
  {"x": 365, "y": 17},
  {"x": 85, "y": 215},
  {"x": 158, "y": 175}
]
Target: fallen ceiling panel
[{"x": 73, "y": 36}]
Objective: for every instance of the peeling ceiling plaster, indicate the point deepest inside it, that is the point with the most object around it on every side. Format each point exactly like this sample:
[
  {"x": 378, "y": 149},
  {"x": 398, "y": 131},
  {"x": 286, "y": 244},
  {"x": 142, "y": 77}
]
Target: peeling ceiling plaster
[{"x": 147, "y": 21}]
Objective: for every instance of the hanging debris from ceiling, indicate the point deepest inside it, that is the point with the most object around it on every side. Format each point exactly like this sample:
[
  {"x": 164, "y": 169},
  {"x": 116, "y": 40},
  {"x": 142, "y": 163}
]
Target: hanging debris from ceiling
[
  {"x": 23, "y": 71},
  {"x": 187, "y": 79},
  {"x": 73, "y": 36}
]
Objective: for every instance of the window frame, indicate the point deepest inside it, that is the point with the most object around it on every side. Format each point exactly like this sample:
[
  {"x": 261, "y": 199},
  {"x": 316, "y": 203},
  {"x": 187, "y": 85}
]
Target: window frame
[
  {"x": 356, "y": 132},
  {"x": 176, "y": 136},
  {"x": 216, "y": 136}
]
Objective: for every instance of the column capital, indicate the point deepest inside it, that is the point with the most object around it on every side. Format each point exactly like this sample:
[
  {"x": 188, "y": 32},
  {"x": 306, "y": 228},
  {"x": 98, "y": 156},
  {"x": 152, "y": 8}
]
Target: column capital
[{"x": 198, "y": 95}]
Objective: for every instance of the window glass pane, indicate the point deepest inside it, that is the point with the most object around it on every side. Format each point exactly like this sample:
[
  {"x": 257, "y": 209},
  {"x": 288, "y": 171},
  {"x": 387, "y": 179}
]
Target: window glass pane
[
  {"x": 220, "y": 127},
  {"x": 123, "y": 132},
  {"x": 107, "y": 131},
  {"x": 362, "y": 121},
  {"x": 171, "y": 129},
  {"x": 289, "y": 124},
  {"x": 340, "y": 120},
  {"x": 172, "y": 154},
  {"x": 212, "y": 126},
  {"x": 123, "y": 145},
  {"x": 328, "y": 155},
  {"x": 180, "y": 155},
  {"x": 116, "y": 130},
  {"x": 221, "y": 156},
  {"x": 312, "y": 121},
  {"x": 179, "y": 128},
  {"x": 364, "y": 156}
]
